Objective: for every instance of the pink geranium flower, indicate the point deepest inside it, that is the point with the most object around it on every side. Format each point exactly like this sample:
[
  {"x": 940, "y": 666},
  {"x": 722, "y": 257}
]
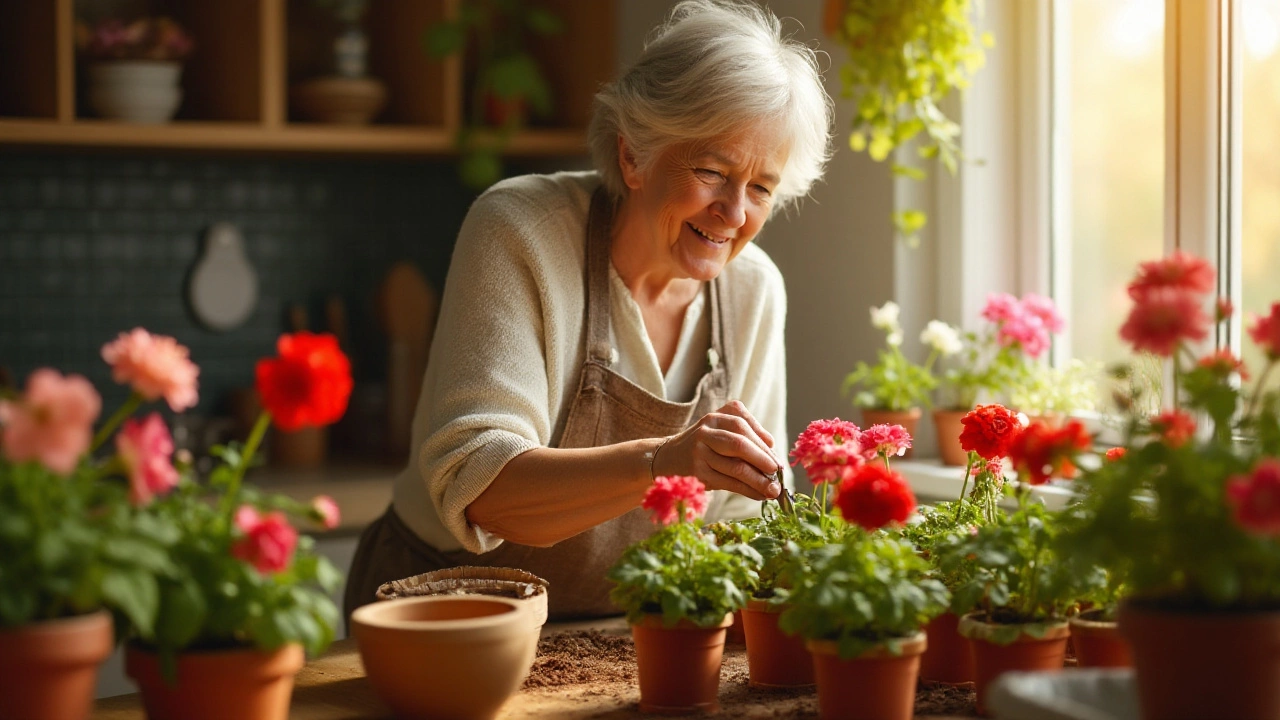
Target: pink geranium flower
[
  {"x": 1175, "y": 427},
  {"x": 1179, "y": 271},
  {"x": 1265, "y": 331},
  {"x": 327, "y": 511},
  {"x": 1027, "y": 331},
  {"x": 1001, "y": 307},
  {"x": 155, "y": 366},
  {"x": 146, "y": 449},
  {"x": 675, "y": 498},
  {"x": 1162, "y": 318},
  {"x": 53, "y": 421},
  {"x": 827, "y": 449},
  {"x": 1044, "y": 309},
  {"x": 1255, "y": 498},
  {"x": 884, "y": 441},
  {"x": 268, "y": 541}
]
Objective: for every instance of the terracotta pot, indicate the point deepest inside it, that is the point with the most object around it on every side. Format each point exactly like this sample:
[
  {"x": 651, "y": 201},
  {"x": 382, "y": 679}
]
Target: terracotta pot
[
  {"x": 244, "y": 683},
  {"x": 774, "y": 659},
  {"x": 1026, "y": 653},
  {"x": 1199, "y": 665},
  {"x": 873, "y": 686},
  {"x": 908, "y": 419},
  {"x": 679, "y": 666},
  {"x": 737, "y": 633},
  {"x": 48, "y": 669},
  {"x": 1097, "y": 643},
  {"x": 948, "y": 658},
  {"x": 445, "y": 656},
  {"x": 948, "y": 426}
]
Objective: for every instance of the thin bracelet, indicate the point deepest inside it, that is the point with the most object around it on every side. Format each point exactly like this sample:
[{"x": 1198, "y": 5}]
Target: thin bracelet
[{"x": 653, "y": 455}]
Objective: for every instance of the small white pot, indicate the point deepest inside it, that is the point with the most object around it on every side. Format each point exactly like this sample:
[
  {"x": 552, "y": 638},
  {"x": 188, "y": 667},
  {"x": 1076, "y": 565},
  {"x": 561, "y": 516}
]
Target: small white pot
[{"x": 139, "y": 91}]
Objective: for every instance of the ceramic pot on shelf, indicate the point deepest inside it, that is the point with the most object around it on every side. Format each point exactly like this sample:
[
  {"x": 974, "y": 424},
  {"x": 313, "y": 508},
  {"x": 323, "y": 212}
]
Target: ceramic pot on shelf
[
  {"x": 1098, "y": 642},
  {"x": 774, "y": 659},
  {"x": 1026, "y": 653},
  {"x": 1178, "y": 656},
  {"x": 679, "y": 666},
  {"x": 137, "y": 91},
  {"x": 48, "y": 669},
  {"x": 216, "y": 684},
  {"x": 908, "y": 419},
  {"x": 876, "y": 685},
  {"x": 948, "y": 426}
]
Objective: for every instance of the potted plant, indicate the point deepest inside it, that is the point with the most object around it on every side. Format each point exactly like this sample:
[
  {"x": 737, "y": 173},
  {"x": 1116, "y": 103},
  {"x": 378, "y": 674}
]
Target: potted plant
[
  {"x": 893, "y": 390},
  {"x": 861, "y": 603},
  {"x": 246, "y": 595},
  {"x": 988, "y": 432},
  {"x": 508, "y": 83},
  {"x": 1015, "y": 605},
  {"x": 134, "y": 67},
  {"x": 1053, "y": 393},
  {"x": 1017, "y": 332},
  {"x": 902, "y": 60},
  {"x": 679, "y": 588},
  {"x": 73, "y": 551},
  {"x": 1187, "y": 513}
]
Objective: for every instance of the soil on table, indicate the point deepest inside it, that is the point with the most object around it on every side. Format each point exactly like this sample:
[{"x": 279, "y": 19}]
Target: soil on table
[{"x": 600, "y": 667}]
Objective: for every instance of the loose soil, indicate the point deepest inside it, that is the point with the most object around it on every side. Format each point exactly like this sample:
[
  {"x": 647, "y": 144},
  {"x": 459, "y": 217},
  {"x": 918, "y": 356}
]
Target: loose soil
[{"x": 598, "y": 668}]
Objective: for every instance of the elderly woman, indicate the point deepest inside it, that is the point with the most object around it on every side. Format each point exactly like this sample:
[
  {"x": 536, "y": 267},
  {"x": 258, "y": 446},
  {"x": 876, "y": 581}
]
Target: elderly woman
[{"x": 599, "y": 329}]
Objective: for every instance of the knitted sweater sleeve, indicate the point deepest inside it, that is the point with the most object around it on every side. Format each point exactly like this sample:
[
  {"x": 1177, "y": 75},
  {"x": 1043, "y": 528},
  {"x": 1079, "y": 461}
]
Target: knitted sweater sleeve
[{"x": 487, "y": 385}]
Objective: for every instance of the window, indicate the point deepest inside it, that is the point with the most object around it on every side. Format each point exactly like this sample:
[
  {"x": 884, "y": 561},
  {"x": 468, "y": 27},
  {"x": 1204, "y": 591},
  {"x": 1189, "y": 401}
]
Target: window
[{"x": 1260, "y": 166}]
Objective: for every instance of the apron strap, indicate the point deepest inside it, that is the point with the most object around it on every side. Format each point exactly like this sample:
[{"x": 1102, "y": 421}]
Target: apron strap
[{"x": 598, "y": 242}]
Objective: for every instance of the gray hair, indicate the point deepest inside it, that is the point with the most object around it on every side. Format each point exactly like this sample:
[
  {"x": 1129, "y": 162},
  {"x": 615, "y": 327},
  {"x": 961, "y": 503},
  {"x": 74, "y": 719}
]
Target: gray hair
[{"x": 714, "y": 68}]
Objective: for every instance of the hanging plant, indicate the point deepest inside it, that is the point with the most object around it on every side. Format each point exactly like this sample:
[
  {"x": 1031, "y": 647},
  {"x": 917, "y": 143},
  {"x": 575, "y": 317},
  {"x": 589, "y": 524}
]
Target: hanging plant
[{"x": 904, "y": 58}]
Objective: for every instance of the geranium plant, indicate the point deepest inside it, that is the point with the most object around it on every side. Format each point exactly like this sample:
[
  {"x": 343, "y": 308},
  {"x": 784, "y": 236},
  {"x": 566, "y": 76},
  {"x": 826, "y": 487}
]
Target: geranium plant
[
  {"x": 682, "y": 572},
  {"x": 1187, "y": 512},
  {"x": 894, "y": 382},
  {"x": 244, "y": 576},
  {"x": 146, "y": 38},
  {"x": 1057, "y": 392},
  {"x": 997, "y": 359}
]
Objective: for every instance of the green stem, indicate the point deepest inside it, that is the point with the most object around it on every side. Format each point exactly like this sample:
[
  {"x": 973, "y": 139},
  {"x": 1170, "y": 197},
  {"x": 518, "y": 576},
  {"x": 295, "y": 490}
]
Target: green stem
[
  {"x": 964, "y": 487},
  {"x": 114, "y": 421},
  {"x": 885, "y": 455},
  {"x": 1259, "y": 389},
  {"x": 237, "y": 475}
]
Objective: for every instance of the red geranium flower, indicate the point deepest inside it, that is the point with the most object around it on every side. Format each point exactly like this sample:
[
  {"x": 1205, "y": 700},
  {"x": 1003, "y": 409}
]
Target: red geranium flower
[
  {"x": 309, "y": 383},
  {"x": 672, "y": 496},
  {"x": 268, "y": 541},
  {"x": 1039, "y": 451},
  {"x": 1255, "y": 498},
  {"x": 1116, "y": 453},
  {"x": 1265, "y": 331},
  {"x": 988, "y": 430},
  {"x": 1222, "y": 363},
  {"x": 1179, "y": 271},
  {"x": 1174, "y": 427},
  {"x": 827, "y": 448},
  {"x": 1162, "y": 317},
  {"x": 874, "y": 496}
]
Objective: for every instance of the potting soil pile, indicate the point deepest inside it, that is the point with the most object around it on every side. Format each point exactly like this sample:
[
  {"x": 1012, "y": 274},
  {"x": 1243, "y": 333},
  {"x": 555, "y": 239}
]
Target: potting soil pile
[{"x": 597, "y": 671}]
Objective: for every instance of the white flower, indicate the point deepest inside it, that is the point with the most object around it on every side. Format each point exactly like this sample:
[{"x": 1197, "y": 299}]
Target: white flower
[
  {"x": 894, "y": 339},
  {"x": 885, "y": 317},
  {"x": 942, "y": 337}
]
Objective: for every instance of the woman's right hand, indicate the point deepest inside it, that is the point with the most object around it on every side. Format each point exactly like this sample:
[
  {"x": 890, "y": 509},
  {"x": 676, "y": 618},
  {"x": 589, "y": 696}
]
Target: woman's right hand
[{"x": 727, "y": 450}]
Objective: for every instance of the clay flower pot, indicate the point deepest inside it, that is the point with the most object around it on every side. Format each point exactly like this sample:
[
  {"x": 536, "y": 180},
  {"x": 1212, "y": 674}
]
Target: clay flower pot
[
  {"x": 446, "y": 656},
  {"x": 243, "y": 682},
  {"x": 1199, "y": 665},
  {"x": 1098, "y": 642},
  {"x": 1026, "y": 653},
  {"x": 737, "y": 633},
  {"x": 48, "y": 669},
  {"x": 948, "y": 426},
  {"x": 475, "y": 580},
  {"x": 774, "y": 659},
  {"x": 679, "y": 666},
  {"x": 908, "y": 419},
  {"x": 876, "y": 685},
  {"x": 948, "y": 657}
]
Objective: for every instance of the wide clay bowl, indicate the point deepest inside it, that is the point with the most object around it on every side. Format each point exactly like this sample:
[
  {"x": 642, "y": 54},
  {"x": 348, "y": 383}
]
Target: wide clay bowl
[{"x": 445, "y": 656}]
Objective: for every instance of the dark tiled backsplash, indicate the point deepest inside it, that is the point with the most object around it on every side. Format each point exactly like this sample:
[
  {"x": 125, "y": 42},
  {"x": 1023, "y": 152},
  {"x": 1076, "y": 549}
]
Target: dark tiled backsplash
[{"x": 95, "y": 244}]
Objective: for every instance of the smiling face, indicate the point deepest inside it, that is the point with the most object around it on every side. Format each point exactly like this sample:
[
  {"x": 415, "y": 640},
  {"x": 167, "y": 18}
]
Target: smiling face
[{"x": 699, "y": 204}]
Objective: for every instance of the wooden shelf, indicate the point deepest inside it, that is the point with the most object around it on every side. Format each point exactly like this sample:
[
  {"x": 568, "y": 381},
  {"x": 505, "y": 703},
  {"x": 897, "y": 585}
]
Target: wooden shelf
[{"x": 236, "y": 90}]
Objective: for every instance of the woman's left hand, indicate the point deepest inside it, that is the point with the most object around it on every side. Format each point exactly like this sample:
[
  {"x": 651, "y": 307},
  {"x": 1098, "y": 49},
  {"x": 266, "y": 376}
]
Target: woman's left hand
[{"x": 727, "y": 450}]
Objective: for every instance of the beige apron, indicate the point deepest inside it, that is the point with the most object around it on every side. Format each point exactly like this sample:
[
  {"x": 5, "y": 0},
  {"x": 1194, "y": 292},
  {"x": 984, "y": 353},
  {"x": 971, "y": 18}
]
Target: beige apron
[{"x": 608, "y": 409}]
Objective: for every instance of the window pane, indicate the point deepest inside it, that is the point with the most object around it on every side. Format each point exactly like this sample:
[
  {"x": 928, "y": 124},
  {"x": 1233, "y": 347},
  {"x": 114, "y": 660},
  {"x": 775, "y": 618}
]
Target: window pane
[
  {"x": 1260, "y": 199},
  {"x": 1114, "y": 104}
]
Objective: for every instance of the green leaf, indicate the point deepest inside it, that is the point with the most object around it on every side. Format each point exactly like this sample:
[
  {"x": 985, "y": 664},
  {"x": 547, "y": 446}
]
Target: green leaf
[
  {"x": 909, "y": 221},
  {"x": 131, "y": 551},
  {"x": 135, "y": 594},
  {"x": 182, "y": 613},
  {"x": 480, "y": 169},
  {"x": 909, "y": 172}
]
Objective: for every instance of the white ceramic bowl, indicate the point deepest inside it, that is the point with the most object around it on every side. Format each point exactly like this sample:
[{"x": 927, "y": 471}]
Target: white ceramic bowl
[{"x": 446, "y": 656}]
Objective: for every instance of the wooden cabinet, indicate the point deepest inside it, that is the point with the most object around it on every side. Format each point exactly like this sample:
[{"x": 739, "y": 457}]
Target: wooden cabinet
[{"x": 235, "y": 86}]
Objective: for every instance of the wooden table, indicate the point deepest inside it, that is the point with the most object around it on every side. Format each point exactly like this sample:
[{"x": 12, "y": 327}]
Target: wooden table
[{"x": 334, "y": 687}]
